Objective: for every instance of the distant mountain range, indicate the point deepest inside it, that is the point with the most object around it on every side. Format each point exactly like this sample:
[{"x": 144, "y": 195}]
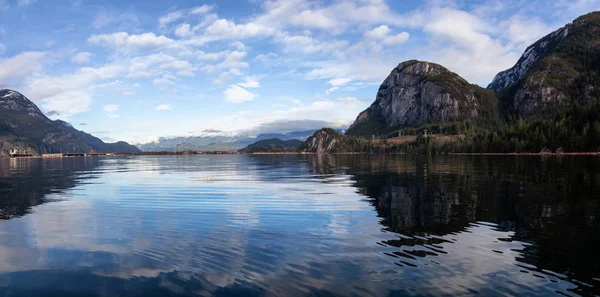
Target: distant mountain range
[
  {"x": 24, "y": 127},
  {"x": 216, "y": 141}
]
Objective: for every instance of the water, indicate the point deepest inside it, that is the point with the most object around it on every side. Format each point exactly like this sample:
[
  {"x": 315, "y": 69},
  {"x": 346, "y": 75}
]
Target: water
[{"x": 286, "y": 225}]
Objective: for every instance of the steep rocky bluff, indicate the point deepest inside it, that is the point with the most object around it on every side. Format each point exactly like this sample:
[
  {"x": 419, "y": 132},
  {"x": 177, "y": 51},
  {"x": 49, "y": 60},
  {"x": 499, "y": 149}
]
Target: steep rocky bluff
[
  {"x": 23, "y": 126},
  {"x": 561, "y": 68},
  {"x": 419, "y": 92},
  {"x": 323, "y": 141},
  {"x": 559, "y": 71}
]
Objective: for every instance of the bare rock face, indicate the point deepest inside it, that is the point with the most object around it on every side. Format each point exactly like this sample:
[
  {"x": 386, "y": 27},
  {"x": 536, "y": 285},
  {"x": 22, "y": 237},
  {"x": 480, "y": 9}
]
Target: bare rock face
[
  {"x": 323, "y": 141},
  {"x": 420, "y": 92},
  {"x": 559, "y": 69},
  {"x": 531, "y": 56}
]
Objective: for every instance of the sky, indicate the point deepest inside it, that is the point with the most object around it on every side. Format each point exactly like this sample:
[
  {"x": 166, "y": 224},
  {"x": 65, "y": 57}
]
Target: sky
[{"x": 138, "y": 70}]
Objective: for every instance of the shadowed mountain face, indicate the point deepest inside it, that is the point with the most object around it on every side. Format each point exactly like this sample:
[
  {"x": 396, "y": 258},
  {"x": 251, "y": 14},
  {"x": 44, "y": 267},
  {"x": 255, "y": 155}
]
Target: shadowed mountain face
[
  {"x": 561, "y": 68},
  {"x": 299, "y": 225},
  {"x": 273, "y": 145},
  {"x": 23, "y": 126}
]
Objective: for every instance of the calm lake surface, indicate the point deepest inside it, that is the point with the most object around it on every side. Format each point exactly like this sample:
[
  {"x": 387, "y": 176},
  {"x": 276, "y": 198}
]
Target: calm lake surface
[{"x": 288, "y": 225}]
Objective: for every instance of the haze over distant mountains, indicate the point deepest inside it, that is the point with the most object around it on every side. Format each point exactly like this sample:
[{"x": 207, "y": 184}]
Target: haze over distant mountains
[{"x": 214, "y": 140}]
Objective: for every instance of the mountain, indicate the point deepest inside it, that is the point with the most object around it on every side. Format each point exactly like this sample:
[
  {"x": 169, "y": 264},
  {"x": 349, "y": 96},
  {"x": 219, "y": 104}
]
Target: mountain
[
  {"x": 186, "y": 147},
  {"x": 561, "y": 68},
  {"x": 273, "y": 145},
  {"x": 549, "y": 101},
  {"x": 23, "y": 126},
  {"x": 220, "y": 147},
  {"x": 419, "y": 92},
  {"x": 301, "y": 135},
  {"x": 218, "y": 140},
  {"x": 327, "y": 140}
]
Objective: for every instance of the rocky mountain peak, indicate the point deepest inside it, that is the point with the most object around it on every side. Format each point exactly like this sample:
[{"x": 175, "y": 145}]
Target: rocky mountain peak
[
  {"x": 530, "y": 57},
  {"x": 418, "y": 92},
  {"x": 325, "y": 140},
  {"x": 543, "y": 47},
  {"x": 15, "y": 101}
]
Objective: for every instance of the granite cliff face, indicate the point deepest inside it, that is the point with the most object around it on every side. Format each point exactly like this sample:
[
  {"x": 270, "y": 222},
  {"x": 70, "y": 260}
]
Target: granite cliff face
[
  {"x": 323, "y": 141},
  {"x": 531, "y": 56},
  {"x": 418, "y": 92},
  {"x": 24, "y": 127},
  {"x": 559, "y": 69}
]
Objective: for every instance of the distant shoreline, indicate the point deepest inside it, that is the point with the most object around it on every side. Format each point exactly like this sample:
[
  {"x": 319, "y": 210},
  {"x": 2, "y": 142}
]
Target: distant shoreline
[{"x": 304, "y": 153}]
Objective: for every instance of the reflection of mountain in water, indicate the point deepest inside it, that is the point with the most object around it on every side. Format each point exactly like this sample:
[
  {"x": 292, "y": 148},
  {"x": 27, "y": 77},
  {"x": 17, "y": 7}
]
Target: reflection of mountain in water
[
  {"x": 26, "y": 182},
  {"x": 551, "y": 203}
]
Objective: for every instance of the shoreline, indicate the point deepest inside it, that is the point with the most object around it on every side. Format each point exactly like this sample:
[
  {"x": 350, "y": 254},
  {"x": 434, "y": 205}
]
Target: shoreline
[{"x": 305, "y": 153}]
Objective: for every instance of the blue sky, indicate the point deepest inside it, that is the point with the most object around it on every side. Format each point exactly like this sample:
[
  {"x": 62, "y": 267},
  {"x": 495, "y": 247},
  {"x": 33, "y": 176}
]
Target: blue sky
[{"x": 138, "y": 70}]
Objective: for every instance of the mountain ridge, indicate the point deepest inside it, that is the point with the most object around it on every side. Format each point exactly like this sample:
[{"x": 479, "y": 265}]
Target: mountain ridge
[
  {"x": 549, "y": 101},
  {"x": 23, "y": 126}
]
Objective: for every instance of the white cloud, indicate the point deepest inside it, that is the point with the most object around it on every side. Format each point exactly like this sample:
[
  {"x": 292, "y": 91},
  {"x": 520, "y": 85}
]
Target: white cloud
[
  {"x": 396, "y": 39},
  {"x": 124, "y": 20},
  {"x": 382, "y": 32},
  {"x": 334, "y": 18},
  {"x": 522, "y": 32},
  {"x": 49, "y": 86},
  {"x": 81, "y": 57},
  {"x": 68, "y": 94},
  {"x": 291, "y": 99},
  {"x": 15, "y": 70},
  {"x": 163, "y": 107},
  {"x": 164, "y": 83},
  {"x": 122, "y": 40},
  {"x": 170, "y": 18},
  {"x": 183, "y": 31},
  {"x": 202, "y": 9},
  {"x": 111, "y": 110},
  {"x": 2, "y": 48},
  {"x": 336, "y": 82},
  {"x": 378, "y": 33},
  {"x": 237, "y": 94},
  {"x": 308, "y": 45},
  {"x": 231, "y": 65},
  {"x": 331, "y": 90},
  {"x": 346, "y": 109},
  {"x": 157, "y": 65},
  {"x": 224, "y": 29},
  {"x": 576, "y": 8},
  {"x": 467, "y": 47},
  {"x": 251, "y": 82},
  {"x": 68, "y": 103},
  {"x": 266, "y": 57}
]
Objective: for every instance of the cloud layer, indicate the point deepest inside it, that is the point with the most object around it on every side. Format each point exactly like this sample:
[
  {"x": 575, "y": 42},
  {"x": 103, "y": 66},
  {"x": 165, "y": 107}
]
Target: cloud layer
[{"x": 278, "y": 65}]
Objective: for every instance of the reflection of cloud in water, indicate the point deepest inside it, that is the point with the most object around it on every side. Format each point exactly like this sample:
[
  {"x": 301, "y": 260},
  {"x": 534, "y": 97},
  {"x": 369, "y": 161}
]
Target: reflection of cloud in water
[{"x": 282, "y": 225}]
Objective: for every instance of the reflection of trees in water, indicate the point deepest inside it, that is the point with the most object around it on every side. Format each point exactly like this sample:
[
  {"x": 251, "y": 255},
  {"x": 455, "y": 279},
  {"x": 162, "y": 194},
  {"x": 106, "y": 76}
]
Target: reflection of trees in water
[
  {"x": 551, "y": 203},
  {"x": 26, "y": 182}
]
